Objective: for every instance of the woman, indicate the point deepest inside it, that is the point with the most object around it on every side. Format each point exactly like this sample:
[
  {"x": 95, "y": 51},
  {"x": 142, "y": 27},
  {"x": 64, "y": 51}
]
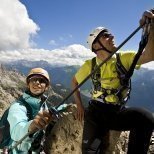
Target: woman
[{"x": 30, "y": 113}]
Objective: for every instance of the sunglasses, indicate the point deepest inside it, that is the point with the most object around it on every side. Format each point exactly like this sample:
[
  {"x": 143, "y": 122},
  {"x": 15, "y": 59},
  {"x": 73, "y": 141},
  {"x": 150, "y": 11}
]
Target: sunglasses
[
  {"x": 105, "y": 35},
  {"x": 41, "y": 80}
]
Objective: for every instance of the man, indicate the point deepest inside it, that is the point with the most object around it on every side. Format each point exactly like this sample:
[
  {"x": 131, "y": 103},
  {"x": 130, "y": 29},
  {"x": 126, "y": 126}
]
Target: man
[
  {"x": 39, "y": 117},
  {"x": 106, "y": 110}
]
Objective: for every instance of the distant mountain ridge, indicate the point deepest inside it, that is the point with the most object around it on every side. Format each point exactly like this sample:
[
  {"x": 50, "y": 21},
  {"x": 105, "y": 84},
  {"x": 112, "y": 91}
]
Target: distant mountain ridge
[
  {"x": 12, "y": 85},
  {"x": 142, "y": 81},
  {"x": 57, "y": 73}
]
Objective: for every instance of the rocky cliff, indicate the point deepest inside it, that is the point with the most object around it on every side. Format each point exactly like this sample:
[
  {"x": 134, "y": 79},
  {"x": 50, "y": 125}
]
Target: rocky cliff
[{"x": 11, "y": 87}]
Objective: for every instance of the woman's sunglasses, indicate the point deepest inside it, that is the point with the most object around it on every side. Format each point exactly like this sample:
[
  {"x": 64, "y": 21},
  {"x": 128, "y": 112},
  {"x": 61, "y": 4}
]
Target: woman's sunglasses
[{"x": 41, "y": 80}]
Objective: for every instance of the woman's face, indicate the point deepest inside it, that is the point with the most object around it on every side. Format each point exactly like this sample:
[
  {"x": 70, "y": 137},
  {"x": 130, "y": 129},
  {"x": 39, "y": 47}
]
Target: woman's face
[{"x": 37, "y": 84}]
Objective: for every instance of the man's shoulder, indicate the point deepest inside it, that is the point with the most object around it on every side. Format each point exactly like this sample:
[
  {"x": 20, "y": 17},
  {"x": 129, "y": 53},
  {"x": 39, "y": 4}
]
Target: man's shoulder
[
  {"x": 88, "y": 61},
  {"x": 126, "y": 53},
  {"x": 126, "y": 58}
]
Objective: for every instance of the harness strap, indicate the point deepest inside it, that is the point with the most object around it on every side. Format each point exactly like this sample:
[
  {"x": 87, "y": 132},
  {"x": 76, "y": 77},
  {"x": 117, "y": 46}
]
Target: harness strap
[
  {"x": 96, "y": 75},
  {"x": 120, "y": 65},
  {"x": 121, "y": 70},
  {"x": 125, "y": 82}
]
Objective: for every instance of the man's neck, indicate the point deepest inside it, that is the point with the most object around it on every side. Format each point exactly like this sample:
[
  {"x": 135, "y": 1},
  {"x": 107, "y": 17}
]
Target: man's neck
[{"x": 102, "y": 55}]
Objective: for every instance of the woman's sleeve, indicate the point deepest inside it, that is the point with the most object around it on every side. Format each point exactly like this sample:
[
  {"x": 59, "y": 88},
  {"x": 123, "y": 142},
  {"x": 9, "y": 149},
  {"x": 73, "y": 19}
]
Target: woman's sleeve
[{"x": 18, "y": 120}]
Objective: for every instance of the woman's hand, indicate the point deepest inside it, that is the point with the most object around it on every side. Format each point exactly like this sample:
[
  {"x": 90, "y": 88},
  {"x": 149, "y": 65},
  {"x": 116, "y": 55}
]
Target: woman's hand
[{"x": 41, "y": 120}]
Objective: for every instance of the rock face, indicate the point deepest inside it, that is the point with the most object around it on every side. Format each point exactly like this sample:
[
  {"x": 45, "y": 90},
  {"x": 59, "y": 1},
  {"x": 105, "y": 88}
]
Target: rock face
[
  {"x": 11, "y": 86},
  {"x": 66, "y": 137}
]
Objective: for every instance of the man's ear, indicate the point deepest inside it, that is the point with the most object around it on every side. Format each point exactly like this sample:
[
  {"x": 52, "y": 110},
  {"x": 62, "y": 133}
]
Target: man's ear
[{"x": 95, "y": 46}]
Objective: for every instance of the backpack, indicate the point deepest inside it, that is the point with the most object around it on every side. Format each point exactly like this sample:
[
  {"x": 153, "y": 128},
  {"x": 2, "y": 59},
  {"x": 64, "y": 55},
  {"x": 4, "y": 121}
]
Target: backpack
[
  {"x": 5, "y": 137},
  {"x": 124, "y": 81}
]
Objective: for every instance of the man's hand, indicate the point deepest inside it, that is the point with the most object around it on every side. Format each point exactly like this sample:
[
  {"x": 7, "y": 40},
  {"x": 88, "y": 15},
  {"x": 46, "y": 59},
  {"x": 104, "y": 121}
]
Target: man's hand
[
  {"x": 147, "y": 14},
  {"x": 148, "y": 54},
  {"x": 77, "y": 97},
  {"x": 41, "y": 120},
  {"x": 80, "y": 112}
]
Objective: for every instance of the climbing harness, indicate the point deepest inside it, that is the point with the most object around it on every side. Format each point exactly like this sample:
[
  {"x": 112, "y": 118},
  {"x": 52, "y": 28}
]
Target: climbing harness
[{"x": 125, "y": 86}]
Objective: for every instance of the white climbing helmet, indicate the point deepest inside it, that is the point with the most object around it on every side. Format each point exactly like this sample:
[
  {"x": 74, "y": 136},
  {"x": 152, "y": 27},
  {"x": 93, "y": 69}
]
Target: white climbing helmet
[{"x": 93, "y": 35}]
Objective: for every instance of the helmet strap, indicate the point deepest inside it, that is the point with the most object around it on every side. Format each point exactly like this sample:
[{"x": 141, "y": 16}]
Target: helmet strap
[{"x": 102, "y": 48}]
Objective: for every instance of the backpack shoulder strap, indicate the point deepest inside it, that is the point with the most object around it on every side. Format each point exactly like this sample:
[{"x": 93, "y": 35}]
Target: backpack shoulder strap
[
  {"x": 4, "y": 130},
  {"x": 28, "y": 108}
]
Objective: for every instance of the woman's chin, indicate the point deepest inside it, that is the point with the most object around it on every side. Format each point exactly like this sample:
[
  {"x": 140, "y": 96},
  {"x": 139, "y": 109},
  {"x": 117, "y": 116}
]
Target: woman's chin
[{"x": 36, "y": 92}]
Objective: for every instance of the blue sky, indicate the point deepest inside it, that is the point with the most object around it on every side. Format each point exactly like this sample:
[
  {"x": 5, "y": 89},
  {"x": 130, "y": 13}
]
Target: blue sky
[
  {"x": 65, "y": 22},
  {"x": 56, "y": 30}
]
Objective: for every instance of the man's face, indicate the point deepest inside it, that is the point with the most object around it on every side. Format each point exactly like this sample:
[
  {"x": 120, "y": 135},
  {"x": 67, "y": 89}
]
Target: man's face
[
  {"x": 37, "y": 85},
  {"x": 107, "y": 40}
]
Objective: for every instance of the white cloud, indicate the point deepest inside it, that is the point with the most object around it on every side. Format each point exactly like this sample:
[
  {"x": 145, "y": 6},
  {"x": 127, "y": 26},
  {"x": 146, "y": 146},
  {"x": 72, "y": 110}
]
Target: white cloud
[
  {"x": 52, "y": 42},
  {"x": 72, "y": 55},
  {"x": 149, "y": 65},
  {"x": 16, "y": 28}
]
